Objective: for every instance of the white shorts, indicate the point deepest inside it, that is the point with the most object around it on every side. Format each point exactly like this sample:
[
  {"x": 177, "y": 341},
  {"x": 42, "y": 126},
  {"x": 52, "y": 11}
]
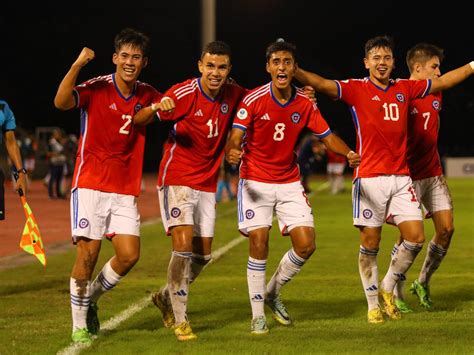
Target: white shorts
[
  {"x": 434, "y": 194},
  {"x": 182, "y": 205},
  {"x": 257, "y": 200},
  {"x": 390, "y": 198},
  {"x": 335, "y": 168},
  {"x": 96, "y": 214}
]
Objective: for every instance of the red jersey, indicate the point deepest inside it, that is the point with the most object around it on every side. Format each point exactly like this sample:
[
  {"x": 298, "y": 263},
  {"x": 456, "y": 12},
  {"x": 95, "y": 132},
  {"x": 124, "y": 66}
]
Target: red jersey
[
  {"x": 195, "y": 147},
  {"x": 272, "y": 131},
  {"x": 334, "y": 157},
  {"x": 380, "y": 117},
  {"x": 110, "y": 150},
  {"x": 423, "y": 127}
]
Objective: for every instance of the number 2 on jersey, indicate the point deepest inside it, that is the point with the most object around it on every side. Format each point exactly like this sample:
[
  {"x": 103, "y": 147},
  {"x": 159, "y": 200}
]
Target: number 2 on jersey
[{"x": 125, "y": 129}]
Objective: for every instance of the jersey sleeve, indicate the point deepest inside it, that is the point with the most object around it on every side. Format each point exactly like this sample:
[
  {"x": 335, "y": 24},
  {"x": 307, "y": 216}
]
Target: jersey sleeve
[
  {"x": 243, "y": 117},
  {"x": 317, "y": 124},
  {"x": 183, "y": 96},
  {"x": 419, "y": 88},
  {"x": 345, "y": 91},
  {"x": 9, "y": 124},
  {"x": 83, "y": 92}
]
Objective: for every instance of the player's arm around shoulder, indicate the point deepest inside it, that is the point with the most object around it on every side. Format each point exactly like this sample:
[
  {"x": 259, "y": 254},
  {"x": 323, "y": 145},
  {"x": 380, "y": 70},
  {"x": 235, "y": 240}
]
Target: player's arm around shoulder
[
  {"x": 452, "y": 78},
  {"x": 320, "y": 84}
]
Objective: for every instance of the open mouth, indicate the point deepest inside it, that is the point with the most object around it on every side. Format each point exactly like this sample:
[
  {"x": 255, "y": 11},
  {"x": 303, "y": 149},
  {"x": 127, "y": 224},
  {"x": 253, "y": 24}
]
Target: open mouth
[{"x": 282, "y": 78}]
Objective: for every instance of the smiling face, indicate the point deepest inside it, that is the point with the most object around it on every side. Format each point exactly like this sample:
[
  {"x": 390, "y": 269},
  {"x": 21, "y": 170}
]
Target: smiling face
[
  {"x": 215, "y": 69},
  {"x": 129, "y": 61},
  {"x": 282, "y": 67},
  {"x": 380, "y": 63}
]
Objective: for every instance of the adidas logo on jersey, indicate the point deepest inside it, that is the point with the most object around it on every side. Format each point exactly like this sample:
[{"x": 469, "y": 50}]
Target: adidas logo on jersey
[
  {"x": 414, "y": 111},
  {"x": 376, "y": 98},
  {"x": 113, "y": 107},
  {"x": 265, "y": 117},
  {"x": 198, "y": 113}
]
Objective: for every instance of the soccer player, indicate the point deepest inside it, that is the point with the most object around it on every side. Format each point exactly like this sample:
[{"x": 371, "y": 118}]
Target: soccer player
[
  {"x": 269, "y": 123},
  {"x": 424, "y": 62},
  {"x": 202, "y": 110},
  {"x": 7, "y": 126},
  {"x": 382, "y": 187},
  {"x": 107, "y": 174}
]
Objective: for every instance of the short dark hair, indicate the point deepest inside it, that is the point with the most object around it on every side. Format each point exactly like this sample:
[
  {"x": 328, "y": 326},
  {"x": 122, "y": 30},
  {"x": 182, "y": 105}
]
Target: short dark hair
[
  {"x": 281, "y": 45},
  {"x": 379, "y": 42},
  {"x": 423, "y": 52},
  {"x": 217, "y": 48},
  {"x": 130, "y": 36}
]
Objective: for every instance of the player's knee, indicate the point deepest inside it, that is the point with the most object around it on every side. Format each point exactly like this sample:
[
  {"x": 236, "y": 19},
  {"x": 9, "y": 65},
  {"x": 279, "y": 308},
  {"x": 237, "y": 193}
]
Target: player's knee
[
  {"x": 307, "y": 251},
  {"x": 127, "y": 261},
  {"x": 444, "y": 236}
]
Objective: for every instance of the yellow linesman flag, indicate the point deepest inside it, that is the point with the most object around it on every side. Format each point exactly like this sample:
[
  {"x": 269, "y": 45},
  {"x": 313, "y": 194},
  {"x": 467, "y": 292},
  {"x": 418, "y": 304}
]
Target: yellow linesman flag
[{"x": 31, "y": 239}]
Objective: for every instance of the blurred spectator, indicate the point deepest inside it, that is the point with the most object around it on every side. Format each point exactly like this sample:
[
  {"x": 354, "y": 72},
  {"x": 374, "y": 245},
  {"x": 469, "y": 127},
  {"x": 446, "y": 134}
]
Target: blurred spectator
[
  {"x": 57, "y": 161},
  {"x": 224, "y": 181},
  {"x": 310, "y": 154},
  {"x": 336, "y": 164},
  {"x": 28, "y": 149}
]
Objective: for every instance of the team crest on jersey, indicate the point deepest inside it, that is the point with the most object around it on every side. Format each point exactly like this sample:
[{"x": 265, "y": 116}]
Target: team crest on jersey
[
  {"x": 224, "y": 108},
  {"x": 83, "y": 223},
  {"x": 242, "y": 114},
  {"x": 249, "y": 214},
  {"x": 400, "y": 97},
  {"x": 367, "y": 213},
  {"x": 295, "y": 117},
  {"x": 138, "y": 107},
  {"x": 436, "y": 105},
  {"x": 175, "y": 212}
]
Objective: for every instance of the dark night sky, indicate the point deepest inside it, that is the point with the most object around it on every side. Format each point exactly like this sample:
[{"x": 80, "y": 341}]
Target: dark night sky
[{"x": 41, "y": 42}]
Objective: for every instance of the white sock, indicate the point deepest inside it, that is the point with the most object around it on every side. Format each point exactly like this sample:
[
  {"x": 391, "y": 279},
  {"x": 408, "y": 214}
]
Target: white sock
[
  {"x": 398, "y": 290},
  {"x": 369, "y": 275},
  {"x": 179, "y": 269},
  {"x": 289, "y": 266},
  {"x": 256, "y": 283},
  {"x": 106, "y": 280},
  {"x": 434, "y": 257},
  {"x": 80, "y": 301},
  {"x": 400, "y": 264},
  {"x": 198, "y": 263},
  {"x": 339, "y": 183}
]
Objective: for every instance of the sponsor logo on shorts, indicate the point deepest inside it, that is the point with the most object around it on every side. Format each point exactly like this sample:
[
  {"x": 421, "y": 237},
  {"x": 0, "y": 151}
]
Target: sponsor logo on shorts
[
  {"x": 367, "y": 213},
  {"x": 400, "y": 97},
  {"x": 175, "y": 212},
  {"x": 83, "y": 223},
  {"x": 249, "y": 214},
  {"x": 242, "y": 114},
  {"x": 224, "y": 108},
  {"x": 295, "y": 117}
]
